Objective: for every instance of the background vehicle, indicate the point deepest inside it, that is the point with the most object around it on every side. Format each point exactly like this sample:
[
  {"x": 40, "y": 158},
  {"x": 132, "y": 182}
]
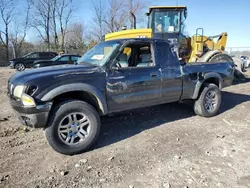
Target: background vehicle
[
  {"x": 245, "y": 60},
  {"x": 27, "y": 61},
  {"x": 57, "y": 60},
  {"x": 167, "y": 22},
  {"x": 240, "y": 64},
  {"x": 114, "y": 76}
]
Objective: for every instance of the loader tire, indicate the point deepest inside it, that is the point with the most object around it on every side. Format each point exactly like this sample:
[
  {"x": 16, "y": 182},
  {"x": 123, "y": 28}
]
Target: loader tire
[{"x": 221, "y": 58}]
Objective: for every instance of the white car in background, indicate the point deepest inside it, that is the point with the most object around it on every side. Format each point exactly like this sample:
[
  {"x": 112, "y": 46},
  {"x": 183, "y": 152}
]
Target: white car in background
[{"x": 245, "y": 60}]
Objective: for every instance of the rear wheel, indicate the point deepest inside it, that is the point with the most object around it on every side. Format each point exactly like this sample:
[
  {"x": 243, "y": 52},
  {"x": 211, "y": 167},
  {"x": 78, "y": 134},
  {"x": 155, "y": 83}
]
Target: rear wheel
[
  {"x": 209, "y": 101},
  {"x": 73, "y": 127},
  {"x": 20, "y": 67}
]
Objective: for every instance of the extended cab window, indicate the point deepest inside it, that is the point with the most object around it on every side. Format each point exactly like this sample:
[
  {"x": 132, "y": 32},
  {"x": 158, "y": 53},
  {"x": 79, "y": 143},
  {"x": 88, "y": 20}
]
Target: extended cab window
[
  {"x": 136, "y": 55},
  {"x": 165, "y": 55}
]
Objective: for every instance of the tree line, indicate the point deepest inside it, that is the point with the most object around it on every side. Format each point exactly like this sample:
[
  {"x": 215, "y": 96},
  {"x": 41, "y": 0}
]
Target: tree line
[{"x": 53, "y": 21}]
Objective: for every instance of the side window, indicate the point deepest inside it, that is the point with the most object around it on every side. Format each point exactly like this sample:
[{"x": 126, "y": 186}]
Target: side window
[
  {"x": 136, "y": 55},
  {"x": 123, "y": 58},
  {"x": 64, "y": 58},
  {"x": 34, "y": 55},
  {"x": 145, "y": 57},
  {"x": 74, "y": 58},
  {"x": 43, "y": 55}
]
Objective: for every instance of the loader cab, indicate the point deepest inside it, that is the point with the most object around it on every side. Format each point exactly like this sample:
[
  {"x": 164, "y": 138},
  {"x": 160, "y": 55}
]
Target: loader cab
[{"x": 167, "y": 22}]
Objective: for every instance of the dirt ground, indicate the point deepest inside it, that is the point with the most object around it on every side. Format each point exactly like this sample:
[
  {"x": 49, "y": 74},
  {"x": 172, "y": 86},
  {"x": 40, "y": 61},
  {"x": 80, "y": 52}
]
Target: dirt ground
[{"x": 158, "y": 147}]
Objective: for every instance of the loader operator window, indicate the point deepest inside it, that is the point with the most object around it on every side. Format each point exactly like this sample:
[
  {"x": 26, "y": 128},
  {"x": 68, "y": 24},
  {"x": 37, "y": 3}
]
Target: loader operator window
[{"x": 167, "y": 22}]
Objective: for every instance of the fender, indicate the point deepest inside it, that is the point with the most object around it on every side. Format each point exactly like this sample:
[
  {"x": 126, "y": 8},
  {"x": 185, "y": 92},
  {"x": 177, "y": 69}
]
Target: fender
[
  {"x": 208, "y": 55},
  {"x": 78, "y": 87},
  {"x": 203, "y": 79}
]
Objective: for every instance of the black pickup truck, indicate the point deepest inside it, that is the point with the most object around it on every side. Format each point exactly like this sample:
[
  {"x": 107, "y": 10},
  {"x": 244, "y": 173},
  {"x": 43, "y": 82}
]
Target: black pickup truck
[{"x": 67, "y": 101}]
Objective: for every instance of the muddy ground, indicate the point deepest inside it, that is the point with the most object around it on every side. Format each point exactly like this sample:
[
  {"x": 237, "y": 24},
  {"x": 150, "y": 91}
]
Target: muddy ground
[{"x": 158, "y": 147}]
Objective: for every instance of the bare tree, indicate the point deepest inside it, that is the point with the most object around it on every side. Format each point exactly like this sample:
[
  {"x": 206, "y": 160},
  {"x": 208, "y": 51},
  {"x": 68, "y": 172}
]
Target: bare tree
[
  {"x": 18, "y": 34},
  {"x": 135, "y": 7},
  {"x": 51, "y": 18},
  {"x": 98, "y": 19},
  {"x": 75, "y": 35},
  {"x": 42, "y": 18},
  {"x": 64, "y": 11},
  {"x": 7, "y": 13},
  {"x": 54, "y": 23},
  {"x": 116, "y": 15}
]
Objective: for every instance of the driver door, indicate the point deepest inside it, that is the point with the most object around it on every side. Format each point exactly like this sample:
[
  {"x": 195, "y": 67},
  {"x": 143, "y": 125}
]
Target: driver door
[
  {"x": 63, "y": 60},
  {"x": 31, "y": 58},
  {"x": 134, "y": 81}
]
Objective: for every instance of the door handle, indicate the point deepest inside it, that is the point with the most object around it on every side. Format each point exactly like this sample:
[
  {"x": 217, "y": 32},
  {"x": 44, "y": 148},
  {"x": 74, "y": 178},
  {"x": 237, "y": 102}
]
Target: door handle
[{"x": 153, "y": 75}]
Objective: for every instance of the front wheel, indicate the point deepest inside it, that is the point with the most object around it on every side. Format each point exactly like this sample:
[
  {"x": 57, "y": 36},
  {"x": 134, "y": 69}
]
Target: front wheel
[
  {"x": 73, "y": 127},
  {"x": 20, "y": 67},
  {"x": 209, "y": 101}
]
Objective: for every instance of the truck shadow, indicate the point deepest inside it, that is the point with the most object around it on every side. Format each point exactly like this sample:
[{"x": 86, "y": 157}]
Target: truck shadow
[
  {"x": 241, "y": 81},
  {"x": 123, "y": 125}
]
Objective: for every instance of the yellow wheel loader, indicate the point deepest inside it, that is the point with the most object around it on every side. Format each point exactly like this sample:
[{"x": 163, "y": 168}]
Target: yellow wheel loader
[{"x": 167, "y": 22}]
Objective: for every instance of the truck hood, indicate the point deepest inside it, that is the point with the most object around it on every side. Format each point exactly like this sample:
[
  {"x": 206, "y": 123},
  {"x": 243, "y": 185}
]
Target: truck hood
[
  {"x": 48, "y": 74},
  {"x": 16, "y": 59}
]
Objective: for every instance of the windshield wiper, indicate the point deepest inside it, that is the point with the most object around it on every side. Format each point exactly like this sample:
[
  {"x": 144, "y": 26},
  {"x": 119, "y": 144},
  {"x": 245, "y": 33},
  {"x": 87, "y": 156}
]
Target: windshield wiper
[{"x": 86, "y": 63}]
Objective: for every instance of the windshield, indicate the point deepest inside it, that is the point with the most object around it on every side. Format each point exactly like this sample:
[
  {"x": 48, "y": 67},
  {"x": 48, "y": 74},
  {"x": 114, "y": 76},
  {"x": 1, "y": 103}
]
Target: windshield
[
  {"x": 26, "y": 55},
  {"x": 55, "y": 58},
  {"x": 166, "y": 21},
  {"x": 99, "y": 54}
]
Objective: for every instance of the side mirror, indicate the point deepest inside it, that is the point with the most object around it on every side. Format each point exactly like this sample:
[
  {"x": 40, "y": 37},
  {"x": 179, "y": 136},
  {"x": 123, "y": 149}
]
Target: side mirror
[{"x": 115, "y": 68}]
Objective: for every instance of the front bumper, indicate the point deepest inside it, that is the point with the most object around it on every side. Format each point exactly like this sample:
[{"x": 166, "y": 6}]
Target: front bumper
[
  {"x": 12, "y": 65},
  {"x": 35, "y": 117}
]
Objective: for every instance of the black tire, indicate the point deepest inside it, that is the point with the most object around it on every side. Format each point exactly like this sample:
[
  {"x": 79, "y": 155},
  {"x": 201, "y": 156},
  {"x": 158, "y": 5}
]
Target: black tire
[
  {"x": 243, "y": 68},
  {"x": 221, "y": 58},
  {"x": 20, "y": 67},
  {"x": 200, "y": 105},
  {"x": 61, "y": 111}
]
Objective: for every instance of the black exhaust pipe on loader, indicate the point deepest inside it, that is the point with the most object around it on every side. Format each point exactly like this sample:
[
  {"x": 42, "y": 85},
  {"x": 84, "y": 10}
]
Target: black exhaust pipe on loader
[{"x": 134, "y": 19}]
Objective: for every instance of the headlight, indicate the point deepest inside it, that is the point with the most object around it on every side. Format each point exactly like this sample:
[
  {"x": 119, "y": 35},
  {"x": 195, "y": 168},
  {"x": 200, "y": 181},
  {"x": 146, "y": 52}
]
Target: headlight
[
  {"x": 18, "y": 91},
  {"x": 36, "y": 66},
  {"x": 27, "y": 100}
]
